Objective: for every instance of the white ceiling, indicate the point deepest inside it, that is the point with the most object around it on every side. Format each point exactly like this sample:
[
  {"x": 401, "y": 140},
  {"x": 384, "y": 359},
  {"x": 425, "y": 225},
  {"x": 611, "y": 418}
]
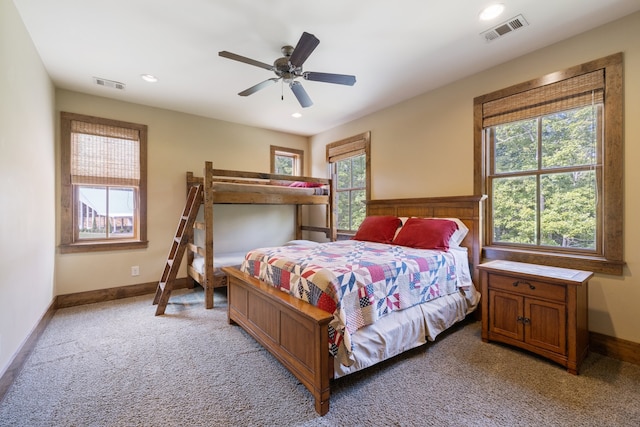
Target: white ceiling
[{"x": 396, "y": 49}]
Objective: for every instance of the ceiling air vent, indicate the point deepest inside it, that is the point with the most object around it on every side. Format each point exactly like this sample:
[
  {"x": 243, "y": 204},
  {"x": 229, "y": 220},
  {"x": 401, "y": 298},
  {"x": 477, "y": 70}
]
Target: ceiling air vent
[
  {"x": 504, "y": 28},
  {"x": 109, "y": 83}
]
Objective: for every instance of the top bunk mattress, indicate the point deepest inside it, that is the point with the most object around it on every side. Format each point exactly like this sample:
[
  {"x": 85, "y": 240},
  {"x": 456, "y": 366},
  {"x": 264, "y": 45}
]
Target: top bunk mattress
[{"x": 234, "y": 187}]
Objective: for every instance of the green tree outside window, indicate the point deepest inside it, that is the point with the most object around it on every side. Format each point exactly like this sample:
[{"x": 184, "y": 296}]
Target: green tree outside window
[{"x": 544, "y": 180}]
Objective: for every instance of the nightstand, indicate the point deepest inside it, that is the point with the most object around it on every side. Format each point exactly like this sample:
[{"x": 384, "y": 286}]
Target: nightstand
[{"x": 537, "y": 308}]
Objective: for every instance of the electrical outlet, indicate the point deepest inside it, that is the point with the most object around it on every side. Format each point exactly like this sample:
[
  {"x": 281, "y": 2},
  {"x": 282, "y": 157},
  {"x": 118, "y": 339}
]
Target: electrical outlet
[{"x": 135, "y": 270}]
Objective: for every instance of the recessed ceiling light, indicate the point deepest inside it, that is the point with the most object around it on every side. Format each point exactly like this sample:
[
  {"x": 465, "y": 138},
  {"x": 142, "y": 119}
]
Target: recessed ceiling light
[
  {"x": 296, "y": 115},
  {"x": 149, "y": 78},
  {"x": 491, "y": 12}
]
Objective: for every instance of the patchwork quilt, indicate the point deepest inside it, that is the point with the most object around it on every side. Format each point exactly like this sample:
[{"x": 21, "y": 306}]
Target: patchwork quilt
[{"x": 358, "y": 282}]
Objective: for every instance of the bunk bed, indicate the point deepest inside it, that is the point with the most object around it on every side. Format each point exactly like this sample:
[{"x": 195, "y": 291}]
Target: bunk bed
[
  {"x": 221, "y": 186},
  {"x": 301, "y": 336}
]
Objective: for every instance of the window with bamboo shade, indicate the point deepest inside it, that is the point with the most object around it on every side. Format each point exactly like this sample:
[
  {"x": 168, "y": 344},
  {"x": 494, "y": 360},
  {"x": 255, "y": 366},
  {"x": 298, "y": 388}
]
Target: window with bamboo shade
[
  {"x": 350, "y": 167},
  {"x": 103, "y": 176},
  {"x": 548, "y": 154}
]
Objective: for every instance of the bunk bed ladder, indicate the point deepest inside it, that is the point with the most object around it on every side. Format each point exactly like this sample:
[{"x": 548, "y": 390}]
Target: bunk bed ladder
[{"x": 178, "y": 246}]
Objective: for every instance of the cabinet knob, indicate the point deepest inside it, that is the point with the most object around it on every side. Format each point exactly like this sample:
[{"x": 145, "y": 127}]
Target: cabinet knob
[
  {"x": 524, "y": 320},
  {"x": 522, "y": 282}
]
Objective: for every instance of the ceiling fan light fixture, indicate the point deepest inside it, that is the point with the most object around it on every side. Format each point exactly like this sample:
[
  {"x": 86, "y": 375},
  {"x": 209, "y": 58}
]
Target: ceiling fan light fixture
[
  {"x": 492, "y": 11},
  {"x": 149, "y": 78}
]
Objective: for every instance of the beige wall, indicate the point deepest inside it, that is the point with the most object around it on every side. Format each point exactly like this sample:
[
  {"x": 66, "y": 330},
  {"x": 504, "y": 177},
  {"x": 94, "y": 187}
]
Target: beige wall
[
  {"x": 416, "y": 144},
  {"x": 27, "y": 234},
  {"x": 177, "y": 143}
]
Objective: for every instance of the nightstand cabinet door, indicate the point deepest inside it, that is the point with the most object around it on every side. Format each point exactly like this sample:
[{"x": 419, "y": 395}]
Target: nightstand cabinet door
[
  {"x": 505, "y": 315},
  {"x": 547, "y": 327}
]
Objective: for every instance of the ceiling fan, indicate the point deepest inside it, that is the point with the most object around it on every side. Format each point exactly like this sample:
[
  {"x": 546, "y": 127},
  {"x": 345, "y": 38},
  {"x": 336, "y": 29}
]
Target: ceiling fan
[{"x": 289, "y": 68}]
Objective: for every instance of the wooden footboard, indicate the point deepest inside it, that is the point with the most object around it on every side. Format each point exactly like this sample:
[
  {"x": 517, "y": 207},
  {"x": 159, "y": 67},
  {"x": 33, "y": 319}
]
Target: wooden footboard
[{"x": 294, "y": 331}]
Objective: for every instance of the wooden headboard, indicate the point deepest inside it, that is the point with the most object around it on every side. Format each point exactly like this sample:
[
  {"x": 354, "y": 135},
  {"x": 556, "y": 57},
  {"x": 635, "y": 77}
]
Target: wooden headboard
[{"x": 467, "y": 208}]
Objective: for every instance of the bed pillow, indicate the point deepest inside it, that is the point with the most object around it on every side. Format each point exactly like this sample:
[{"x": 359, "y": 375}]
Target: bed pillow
[
  {"x": 426, "y": 233},
  {"x": 306, "y": 184},
  {"x": 403, "y": 219},
  {"x": 379, "y": 229},
  {"x": 459, "y": 234}
]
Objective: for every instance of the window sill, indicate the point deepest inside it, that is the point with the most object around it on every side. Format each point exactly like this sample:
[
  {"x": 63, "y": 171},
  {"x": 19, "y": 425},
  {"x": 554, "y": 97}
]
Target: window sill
[
  {"x": 103, "y": 246},
  {"x": 596, "y": 264}
]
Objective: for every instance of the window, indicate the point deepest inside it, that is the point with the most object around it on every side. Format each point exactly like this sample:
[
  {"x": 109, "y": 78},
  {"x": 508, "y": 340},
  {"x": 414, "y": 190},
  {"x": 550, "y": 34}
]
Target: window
[
  {"x": 103, "y": 184},
  {"x": 287, "y": 161},
  {"x": 349, "y": 161},
  {"x": 549, "y": 157}
]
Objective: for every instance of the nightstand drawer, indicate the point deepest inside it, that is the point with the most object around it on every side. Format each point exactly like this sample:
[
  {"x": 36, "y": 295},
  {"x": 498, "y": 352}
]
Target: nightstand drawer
[{"x": 527, "y": 287}]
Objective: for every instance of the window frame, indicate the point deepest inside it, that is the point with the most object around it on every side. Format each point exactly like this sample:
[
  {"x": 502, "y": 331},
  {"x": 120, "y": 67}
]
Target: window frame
[
  {"x": 538, "y": 173},
  {"x": 608, "y": 258},
  {"x": 297, "y": 155},
  {"x": 344, "y": 149},
  {"x": 69, "y": 242}
]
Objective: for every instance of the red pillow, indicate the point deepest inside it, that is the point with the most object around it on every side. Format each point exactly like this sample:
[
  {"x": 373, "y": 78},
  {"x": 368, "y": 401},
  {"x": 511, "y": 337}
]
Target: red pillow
[
  {"x": 422, "y": 233},
  {"x": 379, "y": 229},
  {"x": 305, "y": 184}
]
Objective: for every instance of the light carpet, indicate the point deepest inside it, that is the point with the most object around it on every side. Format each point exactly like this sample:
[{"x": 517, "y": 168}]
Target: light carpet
[{"x": 116, "y": 364}]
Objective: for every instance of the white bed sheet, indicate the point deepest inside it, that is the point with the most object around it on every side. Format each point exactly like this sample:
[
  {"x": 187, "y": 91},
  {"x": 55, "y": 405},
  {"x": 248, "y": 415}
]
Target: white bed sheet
[{"x": 225, "y": 259}]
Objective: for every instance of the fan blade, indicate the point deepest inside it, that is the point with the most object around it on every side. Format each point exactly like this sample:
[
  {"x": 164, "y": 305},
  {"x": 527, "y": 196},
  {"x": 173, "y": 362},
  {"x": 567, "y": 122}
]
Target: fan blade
[
  {"x": 306, "y": 45},
  {"x": 341, "y": 79},
  {"x": 301, "y": 94},
  {"x": 261, "y": 85},
  {"x": 246, "y": 60}
]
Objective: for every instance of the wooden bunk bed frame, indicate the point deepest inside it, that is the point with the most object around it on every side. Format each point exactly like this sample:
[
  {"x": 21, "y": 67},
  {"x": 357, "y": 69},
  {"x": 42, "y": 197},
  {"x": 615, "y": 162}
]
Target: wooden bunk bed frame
[
  {"x": 211, "y": 196},
  {"x": 296, "y": 332}
]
